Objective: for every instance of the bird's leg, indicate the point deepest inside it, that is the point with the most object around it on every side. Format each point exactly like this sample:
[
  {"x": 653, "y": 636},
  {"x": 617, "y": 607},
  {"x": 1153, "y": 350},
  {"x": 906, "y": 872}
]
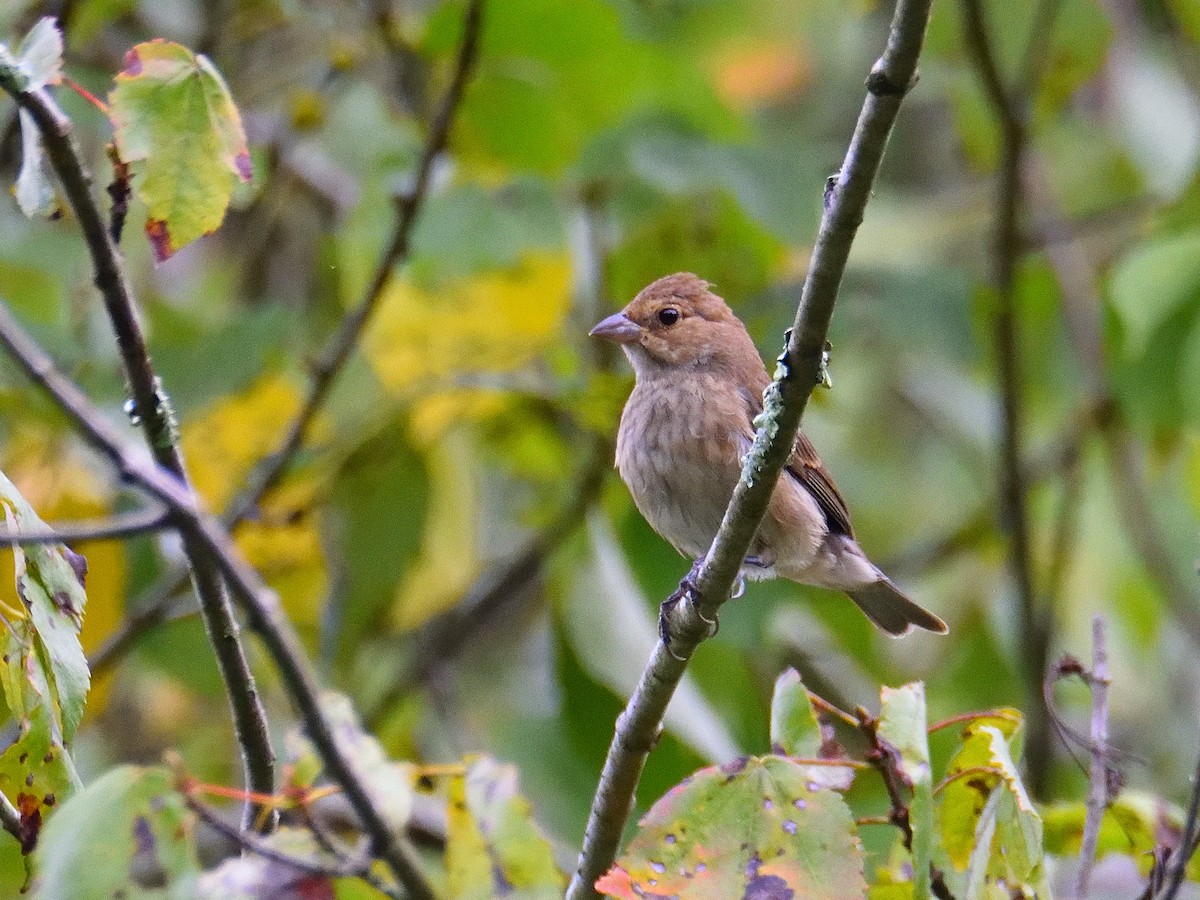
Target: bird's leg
[{"x": 687, "y": 589}]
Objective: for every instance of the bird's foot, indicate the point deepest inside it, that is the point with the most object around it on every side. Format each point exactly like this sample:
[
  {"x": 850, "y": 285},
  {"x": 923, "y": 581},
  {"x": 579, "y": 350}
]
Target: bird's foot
[{"x": 686, "y": 591}]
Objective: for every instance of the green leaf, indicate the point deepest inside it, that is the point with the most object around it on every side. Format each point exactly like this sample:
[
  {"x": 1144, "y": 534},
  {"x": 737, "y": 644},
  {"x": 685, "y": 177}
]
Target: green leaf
[
  {"x": 756, "y": 827},
  {"x": 36, "y": 773},
  {"x": 902, "y": 726},
  {"x": 1152, "y": 282},
  {"x": 493, "y": 847},
  {"x": 380, "y": 497},
  {"x": 174, "y": 120},
  {"x": 795, "y": 730},
  {"x": 50, "y": 584},
  {"x": 128, "y": 834},
  {"x": 1077, "y": 50},
  {"x": 982, "y": 765}
]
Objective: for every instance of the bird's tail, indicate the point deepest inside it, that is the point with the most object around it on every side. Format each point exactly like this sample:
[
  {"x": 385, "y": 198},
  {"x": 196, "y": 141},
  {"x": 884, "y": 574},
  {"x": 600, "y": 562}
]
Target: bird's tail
[{"x": 887, "y": 607}]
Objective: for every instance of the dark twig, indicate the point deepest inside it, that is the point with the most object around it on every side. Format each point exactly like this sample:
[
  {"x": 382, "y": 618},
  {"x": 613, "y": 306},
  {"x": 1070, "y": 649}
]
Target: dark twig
[
  {"x": 262, "y": 606},
  {"x": 153, "y": 409},
  {"x": 1009, "y": 111},
  {"x": 1081, "y": 306},
  {"x": 1175, "y": 865},
  {"x": 685, "y": 622},
  {"x": 886, "y": 761},
  {"x": 120, "y": 525},
  {"x": 336, "y": 868},
  {"x": 10, "y": 819},
  {"x": 329, "y": 364}
]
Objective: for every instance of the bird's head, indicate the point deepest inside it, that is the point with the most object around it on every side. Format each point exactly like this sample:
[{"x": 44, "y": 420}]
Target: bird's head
[{"x": 676, "y": 323}]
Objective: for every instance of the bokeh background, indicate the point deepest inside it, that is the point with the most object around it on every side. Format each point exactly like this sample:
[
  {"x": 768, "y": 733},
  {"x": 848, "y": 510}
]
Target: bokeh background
[{"x": 453, "y": 543}]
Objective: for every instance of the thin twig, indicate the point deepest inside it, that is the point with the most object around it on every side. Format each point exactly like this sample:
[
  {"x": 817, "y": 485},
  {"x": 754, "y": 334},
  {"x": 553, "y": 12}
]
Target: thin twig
[
  {"x": 120, "y": 525},
  {"x": 264, "y": 612},
  {"x": 324, "y": 372},
  {"x": 1176, "y": 863},
  {"x": 886, "y": 761},
  {"x": 685, "y": 621},
  {"x": 1081, "y": 303},
  {"x": 332, "y": 359},
  {"x": 1098, "y": 783},
  {"x": 153, "y": 408},
  {"x": 336, "y": 868},
  {"x": 1009, "y": 111}
]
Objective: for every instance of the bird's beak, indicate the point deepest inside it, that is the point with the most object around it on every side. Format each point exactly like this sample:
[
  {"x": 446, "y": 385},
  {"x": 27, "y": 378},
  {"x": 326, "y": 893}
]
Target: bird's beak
[{"x": 618, "y": 328}]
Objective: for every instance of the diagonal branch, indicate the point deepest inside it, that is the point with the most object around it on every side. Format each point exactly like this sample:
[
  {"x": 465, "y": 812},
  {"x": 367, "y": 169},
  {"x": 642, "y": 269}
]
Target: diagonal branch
[
  {"x": 152, "y": 407},
  {"x": 216, "y": 549},
  {"x": 846, "y": 200},
  {"x": 329, "y": 364}
]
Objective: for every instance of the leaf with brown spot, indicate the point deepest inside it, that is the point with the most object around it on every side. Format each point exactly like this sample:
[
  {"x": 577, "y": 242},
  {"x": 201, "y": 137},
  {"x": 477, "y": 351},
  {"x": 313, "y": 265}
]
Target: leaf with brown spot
[
  {"x": 494, "y": 848},
  {"x": 764, "y": 831},
  {"x": 176, "y": 124},
  {"x": 50, "y": 587}
]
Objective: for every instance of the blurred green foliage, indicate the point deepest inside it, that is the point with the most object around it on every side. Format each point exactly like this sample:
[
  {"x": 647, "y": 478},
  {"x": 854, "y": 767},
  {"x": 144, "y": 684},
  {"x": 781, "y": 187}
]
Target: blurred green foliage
[{"x": 601, "y": 144}]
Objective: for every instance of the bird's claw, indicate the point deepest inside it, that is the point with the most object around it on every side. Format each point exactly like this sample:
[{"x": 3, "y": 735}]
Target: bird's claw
[{"x": 686, "y": 591}]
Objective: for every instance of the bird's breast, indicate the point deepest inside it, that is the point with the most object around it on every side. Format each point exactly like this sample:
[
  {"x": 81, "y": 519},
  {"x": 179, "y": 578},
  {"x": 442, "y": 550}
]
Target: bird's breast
[{"x": 678, "y": 451}]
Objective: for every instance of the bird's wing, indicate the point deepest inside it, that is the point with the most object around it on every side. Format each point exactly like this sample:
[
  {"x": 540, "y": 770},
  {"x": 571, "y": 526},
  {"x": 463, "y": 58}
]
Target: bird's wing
[{"x": 807, "y": 469}]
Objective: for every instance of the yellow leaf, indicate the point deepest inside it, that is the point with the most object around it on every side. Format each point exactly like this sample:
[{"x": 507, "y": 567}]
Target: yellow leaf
[
  {"x": 493, "y": 323},
  {"x": 449, "y": 558},
  {"x": 221, "y": 447},
  {"x": 54, "y": 476},
  {"x": 223, "y": 444}
]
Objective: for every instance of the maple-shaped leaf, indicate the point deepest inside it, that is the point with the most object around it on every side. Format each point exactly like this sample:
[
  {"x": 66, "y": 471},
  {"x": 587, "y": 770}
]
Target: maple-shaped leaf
[{"x": 175, "y": 122}]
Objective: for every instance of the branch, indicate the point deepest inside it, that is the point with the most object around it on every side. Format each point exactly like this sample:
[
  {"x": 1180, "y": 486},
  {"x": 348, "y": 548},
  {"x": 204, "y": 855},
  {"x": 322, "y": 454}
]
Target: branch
[
  {"x": 121, "y": 525},
  {"x": 324, "y": 372},
  {"x": 1081, "y": 307},
  {"x": 332, "y": 359},
  {"x": 1009, "y": 111},
  {"x": 1098, "y": 780},
  {"x": 153, "y": 408},
  {"x": 216, "y": 549},
  {"x": 685, "y": 622}
]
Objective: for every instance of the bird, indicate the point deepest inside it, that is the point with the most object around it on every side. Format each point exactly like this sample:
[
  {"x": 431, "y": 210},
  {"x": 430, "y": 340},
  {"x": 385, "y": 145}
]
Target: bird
[{"x": 687, "y": 425}]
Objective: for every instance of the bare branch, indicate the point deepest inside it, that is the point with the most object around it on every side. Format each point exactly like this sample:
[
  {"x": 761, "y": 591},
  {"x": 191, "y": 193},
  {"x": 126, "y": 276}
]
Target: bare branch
[
  {"x": 216, "y": 548},
  {"x": 121, "y": 525},
  {"x": 329, "y": 364},
  {"x": 1036, "y": 619},
  {"x": 1098, "y": 784},
  {"x": 846, "y": 200}
]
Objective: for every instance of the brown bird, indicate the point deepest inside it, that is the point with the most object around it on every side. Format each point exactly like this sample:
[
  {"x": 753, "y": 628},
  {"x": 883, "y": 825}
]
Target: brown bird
[{"x": 685, "y": 429}]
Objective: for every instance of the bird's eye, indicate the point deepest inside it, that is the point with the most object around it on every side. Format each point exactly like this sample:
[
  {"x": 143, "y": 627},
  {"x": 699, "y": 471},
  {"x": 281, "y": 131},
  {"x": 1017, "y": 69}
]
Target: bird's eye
[{"x": 668, "y": 316}]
